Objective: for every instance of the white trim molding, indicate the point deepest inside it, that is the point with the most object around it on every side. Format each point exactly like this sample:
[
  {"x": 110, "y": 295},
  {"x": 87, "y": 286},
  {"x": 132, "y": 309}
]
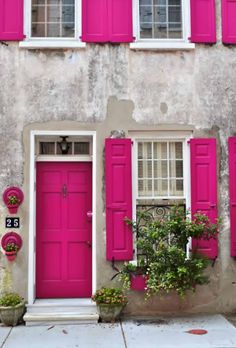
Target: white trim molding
[
  {"x": 162, "y": 44},
  {"x": 32, "y": 206},
  {"x": 48, "y": 42}
]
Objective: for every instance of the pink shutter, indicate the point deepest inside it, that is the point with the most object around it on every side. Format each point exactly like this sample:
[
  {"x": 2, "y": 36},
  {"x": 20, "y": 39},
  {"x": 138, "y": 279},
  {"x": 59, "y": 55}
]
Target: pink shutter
[
  {"x": 232, "y": 193},
  {"x": 203, "y": 21},
  {"x": 11, "y": 20},
  {"x": 228, "y": 8},
  {"x": 120, "y": 20},
  {"x": 94, "y": 21},
  {"x": 118, "y": 199},
  {"x": 204, "y": 188}
]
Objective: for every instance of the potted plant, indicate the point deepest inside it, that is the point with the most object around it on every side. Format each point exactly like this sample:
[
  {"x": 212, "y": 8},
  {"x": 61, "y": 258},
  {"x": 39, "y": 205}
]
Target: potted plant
[
  {"x": 110, "y": 303},
  {"x": 134, "y": 276},
  {"x": 13, "y": 203},
  {"x": 12, "y": 309},
  {"x": 163, "y": 243},
  {"x": 11, "y": 250}
]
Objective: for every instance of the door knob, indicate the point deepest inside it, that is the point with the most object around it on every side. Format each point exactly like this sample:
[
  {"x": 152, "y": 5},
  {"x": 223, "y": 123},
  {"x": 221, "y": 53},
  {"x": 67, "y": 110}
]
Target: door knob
[{"x": 64, "y": 191}]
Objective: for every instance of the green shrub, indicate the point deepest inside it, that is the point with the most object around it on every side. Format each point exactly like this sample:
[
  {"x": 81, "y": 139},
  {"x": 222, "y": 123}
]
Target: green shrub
[
  {"x": 10, "y": 300},
  {"x": 113, "y": 296}
]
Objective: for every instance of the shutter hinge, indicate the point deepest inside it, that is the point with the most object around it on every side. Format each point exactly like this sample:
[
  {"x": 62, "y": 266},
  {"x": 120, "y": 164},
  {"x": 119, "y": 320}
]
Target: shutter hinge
[
  {"x": 188, "y": 141},
  {"x": 132, "y": 143},
  {"x": 3, "y": 43}
]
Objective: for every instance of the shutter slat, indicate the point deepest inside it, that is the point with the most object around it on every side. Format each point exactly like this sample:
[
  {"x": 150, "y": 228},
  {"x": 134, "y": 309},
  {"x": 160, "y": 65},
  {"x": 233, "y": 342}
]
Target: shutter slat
[
  {"x": 232, "y": 193},
  {"x": 203, "y": 21},
  {"x": 204, "y": 189},
  {"x": 228, "y": 21},
  {"x": 11, "y": 20},
  {"x": 118, "y": 199}
]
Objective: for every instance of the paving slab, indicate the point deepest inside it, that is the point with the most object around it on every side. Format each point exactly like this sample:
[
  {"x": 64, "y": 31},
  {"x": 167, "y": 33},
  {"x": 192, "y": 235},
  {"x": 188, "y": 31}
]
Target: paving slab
[
  {"x": 4, "y": 332},
  {"x": 66, "y": 336},
  {"x": 172, "y": 333}
]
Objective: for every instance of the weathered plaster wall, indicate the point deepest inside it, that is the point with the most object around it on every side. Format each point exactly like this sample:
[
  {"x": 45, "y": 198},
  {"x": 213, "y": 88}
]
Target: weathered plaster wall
[{"x": 106, "y": 87}]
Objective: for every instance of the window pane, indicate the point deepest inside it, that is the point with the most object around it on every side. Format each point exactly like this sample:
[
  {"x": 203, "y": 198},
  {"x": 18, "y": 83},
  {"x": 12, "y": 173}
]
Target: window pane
[
  {"x": 53, "y": 18},
  {"x": 174, "y": 2},
  {"x": 145, "y": 169},
  {"x": 145, "y": 2},
  {"x": 160, "y": 14},
  {"x": 176, "y": 169},
  {"x": 145, "y": 150},
  {"x": 160, "y": 188},
  {"x": 47, "y": 148},
  {"x": 145, "y": 14},
  {"x": 160, "y": 31},
  {"x": 176, "y": 187},
  {"x": 38, "y": 30},
  {"x": 176, "y": 150},
  {"x": 159, "y": 2},
  {"x": 175, "y": 31},
  {"x": 160, "y": 169},
  {"x": 145, "y": 188},
  {"x": 160, "y": 150},
  {"x": 174, "y": 14},
  {"x": 81, "y": 148},
  {"x": 145, "y": 31}
]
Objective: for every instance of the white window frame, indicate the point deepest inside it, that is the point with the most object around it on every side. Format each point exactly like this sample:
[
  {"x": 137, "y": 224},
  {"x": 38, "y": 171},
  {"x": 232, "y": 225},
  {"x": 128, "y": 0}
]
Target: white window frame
[
  {"x": 166, "y": 44},
  {"x": 183, "y": 136},
  {"x": 44, "y": 42}
]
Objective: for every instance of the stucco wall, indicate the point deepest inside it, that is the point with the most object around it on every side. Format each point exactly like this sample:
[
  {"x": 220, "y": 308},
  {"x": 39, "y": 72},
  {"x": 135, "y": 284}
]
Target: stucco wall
[{"x": 106, "y": 87}]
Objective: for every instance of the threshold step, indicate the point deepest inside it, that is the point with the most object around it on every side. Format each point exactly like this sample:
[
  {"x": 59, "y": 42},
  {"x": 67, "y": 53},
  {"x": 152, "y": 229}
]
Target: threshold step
[{"x": 32, "y": 319}]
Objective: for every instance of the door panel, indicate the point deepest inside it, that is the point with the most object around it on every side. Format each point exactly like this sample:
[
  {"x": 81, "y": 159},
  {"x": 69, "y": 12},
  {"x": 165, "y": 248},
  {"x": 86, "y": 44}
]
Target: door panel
[{"x": 64, "y": 233}]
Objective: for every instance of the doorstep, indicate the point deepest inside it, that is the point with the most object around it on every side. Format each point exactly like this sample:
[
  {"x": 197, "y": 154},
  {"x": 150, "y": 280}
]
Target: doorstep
[{"x": 61, "y": 311}]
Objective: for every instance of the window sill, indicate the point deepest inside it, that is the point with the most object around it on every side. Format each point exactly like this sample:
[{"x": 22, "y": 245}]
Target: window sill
[
  {"x": 179, "y": 45},
  {"x": 41, "y": 44}
]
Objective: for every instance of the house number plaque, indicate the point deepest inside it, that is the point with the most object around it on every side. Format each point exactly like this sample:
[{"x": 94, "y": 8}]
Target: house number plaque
[{"x": 12, "y": 222}]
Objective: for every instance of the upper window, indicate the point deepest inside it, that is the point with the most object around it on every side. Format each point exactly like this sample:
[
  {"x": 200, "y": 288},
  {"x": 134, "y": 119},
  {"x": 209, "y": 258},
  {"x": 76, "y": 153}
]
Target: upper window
[
  {"x": 53, "y": 18},
  {"x": 162, "y": 24},
  {"x": 160, "y": 19},
  {"x": 52, "y": 24}
]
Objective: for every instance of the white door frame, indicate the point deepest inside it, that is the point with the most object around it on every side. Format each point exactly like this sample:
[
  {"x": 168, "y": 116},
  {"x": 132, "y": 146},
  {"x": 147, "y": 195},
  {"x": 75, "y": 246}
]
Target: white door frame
[{"x": 32, "y": 207}]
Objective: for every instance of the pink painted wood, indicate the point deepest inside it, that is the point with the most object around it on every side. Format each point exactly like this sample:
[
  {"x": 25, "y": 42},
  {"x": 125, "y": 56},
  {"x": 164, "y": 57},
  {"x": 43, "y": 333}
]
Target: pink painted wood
[
  {"x": 94, "y": 21},
  {"x": 107, "y": 21},
  {"x": 204, "y": 188},
  {"x": 11, "y": 20},
  {"x": 64, "y": 233},
  {"x": 138, "y": 282},
  {"x": 232, "y": 193},
  {"x": 228, "y": 8},
  {"x": 120, "y": 20},
  {"x": 118, "y": 199},
  {"x": 203, "y": 21}
]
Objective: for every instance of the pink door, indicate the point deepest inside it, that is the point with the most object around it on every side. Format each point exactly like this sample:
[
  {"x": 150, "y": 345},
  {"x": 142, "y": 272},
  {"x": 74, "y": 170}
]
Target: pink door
[{"x": 64, "y": 231}]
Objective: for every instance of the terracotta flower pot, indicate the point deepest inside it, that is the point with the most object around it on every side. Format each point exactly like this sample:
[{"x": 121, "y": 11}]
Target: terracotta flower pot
[
  {"x": 109, "y": 313},
  {"x": 11, "y": 255},
  {"x": 10, "y": 316},
  {"x": 138, "y": 282}
]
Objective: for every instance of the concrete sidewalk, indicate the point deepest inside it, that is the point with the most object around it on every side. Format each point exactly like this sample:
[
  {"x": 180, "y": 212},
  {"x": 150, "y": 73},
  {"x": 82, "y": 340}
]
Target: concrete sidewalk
[{"x": 159, "y": 333}]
